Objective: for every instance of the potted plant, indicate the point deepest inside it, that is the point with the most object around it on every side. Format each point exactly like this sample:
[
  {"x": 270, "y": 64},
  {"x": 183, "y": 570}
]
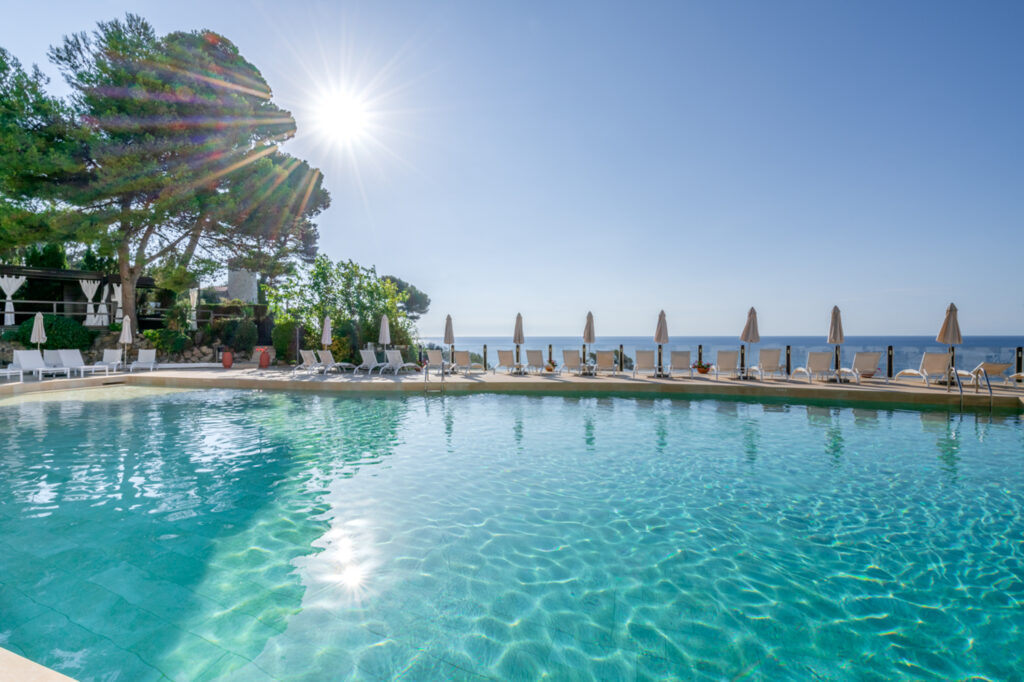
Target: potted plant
[{"x": 702, "y": 367}]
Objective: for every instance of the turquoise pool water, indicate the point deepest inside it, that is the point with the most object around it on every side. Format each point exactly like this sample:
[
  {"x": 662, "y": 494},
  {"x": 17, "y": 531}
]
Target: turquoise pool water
[{"x": 238, "y": 535}]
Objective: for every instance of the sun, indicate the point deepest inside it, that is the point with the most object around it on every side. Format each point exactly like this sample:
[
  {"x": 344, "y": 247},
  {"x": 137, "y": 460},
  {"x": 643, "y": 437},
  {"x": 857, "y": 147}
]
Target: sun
[{"x": 342, "y": 117}]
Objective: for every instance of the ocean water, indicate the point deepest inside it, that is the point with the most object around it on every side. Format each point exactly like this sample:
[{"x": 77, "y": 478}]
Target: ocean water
[
  {"x": 205, "y": 535},
  {"x": 907, "y": 350}
]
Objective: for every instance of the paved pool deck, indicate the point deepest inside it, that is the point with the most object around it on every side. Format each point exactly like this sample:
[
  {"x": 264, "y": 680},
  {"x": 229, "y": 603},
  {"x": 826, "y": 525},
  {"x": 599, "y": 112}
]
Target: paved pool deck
[{"x": 905, "y": 393}]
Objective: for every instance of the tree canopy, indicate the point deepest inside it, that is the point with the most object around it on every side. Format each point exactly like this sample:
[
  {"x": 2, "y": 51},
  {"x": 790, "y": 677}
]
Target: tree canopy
[{"x": 167, "y": 149}]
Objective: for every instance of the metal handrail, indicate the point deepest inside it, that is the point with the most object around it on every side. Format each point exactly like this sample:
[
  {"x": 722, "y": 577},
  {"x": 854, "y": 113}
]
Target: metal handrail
[
  {"x": 977, "y": 387},
  {"x": 959, "y": 385}
]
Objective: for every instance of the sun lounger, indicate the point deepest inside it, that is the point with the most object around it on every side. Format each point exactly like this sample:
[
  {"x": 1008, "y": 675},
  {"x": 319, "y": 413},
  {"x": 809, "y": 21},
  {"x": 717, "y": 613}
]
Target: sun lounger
[
  {"x": 308, "y": 363},
  {"x": 111, "y": 359},
  {"x": 507, "y": 360},
  {"x": 819, "y": 363},
  {"x": 327, "y": 360},
  {"x": 679, "y": 361},
  {"x": 865, "y": 365},
  {"x": 606, "y": 362},
  {"x": 535, "y": 361},
  {"x": 933, "y": 366},
  {"x": 72, "y": 359},
  {"x": 644, "y": 363},
  {"x": 464, "y": 362},
  {"x": 52, "y": 358},
  {"x": 994, "y": 370},
  {"x": 435, "y": 360},
  {"x": 727, "y": 362},
  {"x": 147, "y": 358},
  {"x": 12, "y": 371},
  {"x": 32, "y": 361},
  {"x": 395, "y": 363},
  {"x": 369, "y": 362},
  {"x": 571, "y": 361},
  {"x": 769, "y": 362}
]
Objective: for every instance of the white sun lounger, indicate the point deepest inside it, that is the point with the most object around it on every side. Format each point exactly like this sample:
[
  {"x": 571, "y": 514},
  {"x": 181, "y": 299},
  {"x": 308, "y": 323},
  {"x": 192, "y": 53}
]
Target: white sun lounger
[
  {"x": 679, "y": 361},
  {"x": 865, "y": 365},
  {"x": 994, "y": 370},
  {"x": 769, "y": 362},
  {"x": 507, "y": 360},
  {"x": 934, "y": 366},
  {"x": 111, "y": 359},
  {"x": 535, "y": 360},
  {"x": 395, "y": 363},
  {"x": 72, "y": 359},
  {"x": 308, "y": 363},
  {"x": 606, "y": 362},
  {"x": 819, "y": 364},
  {"x": 435, "y": 360},
  {"x": 12, "y": 371},
  {"x": 644, "y": 363},
  {"x": 571, "y": 361},
  {"x": 464, "y": 362},
  {"x": 369, "y": 362},
  {"x": 327, "y": 360},
  {"x": 727, "y": 362},
  {"x": 147, "y": 358},
  {"x": 32, "y": 361}
]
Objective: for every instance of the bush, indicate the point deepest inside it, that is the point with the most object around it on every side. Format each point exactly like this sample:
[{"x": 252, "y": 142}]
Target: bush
[
  {"x": 237, "y": 333},
  {"x": 168, "y": 341},
  {"x": 61, "y": 332},
  {"x": 282, "y": 336}
]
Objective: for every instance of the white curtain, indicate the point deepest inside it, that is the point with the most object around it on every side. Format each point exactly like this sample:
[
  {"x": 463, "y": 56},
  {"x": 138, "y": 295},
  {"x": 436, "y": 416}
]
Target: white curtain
[
  {"x": 101, "y": 310},
  {"x": 89, "y": 287},
  {"x": 193, "y": 299},
  {"x": 117, "y": 303},
  {"x": 10, "y": 285}
]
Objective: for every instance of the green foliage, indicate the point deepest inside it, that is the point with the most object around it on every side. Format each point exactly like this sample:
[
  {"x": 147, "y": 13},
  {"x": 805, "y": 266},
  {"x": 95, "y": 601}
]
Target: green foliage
[
  {"x": 417, "y": 304},
  {"x": 178, "y": 317},
  {"x": 282, "y": 336},
  {"x": 627, "y": 362},
  {"x": 354, "y": 297},
  {"x": 169, "y": 341},
  {"x": 94, "y": 262},
  {"x": 46, "y": 256},
  {"x": 237, "y": 333},
  {"x": 61, "y": 332}
]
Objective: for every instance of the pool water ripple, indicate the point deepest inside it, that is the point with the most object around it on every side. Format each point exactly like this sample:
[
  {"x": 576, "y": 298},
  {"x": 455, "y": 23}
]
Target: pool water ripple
[{"x": 237, "y": 535}]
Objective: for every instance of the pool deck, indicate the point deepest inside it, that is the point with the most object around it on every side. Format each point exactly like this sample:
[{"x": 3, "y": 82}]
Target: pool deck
[
  {"x": 14, "y": 668},
  {"x": 906, "y": 393}
]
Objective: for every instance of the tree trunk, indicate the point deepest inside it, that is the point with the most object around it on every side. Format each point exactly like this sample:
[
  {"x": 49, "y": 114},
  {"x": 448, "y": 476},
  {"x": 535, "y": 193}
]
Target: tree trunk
[{"x": 129, "y": 277}]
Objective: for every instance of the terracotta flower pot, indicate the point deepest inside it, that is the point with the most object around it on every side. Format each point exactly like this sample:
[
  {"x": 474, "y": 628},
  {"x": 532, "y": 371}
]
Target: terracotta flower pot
[
  {"x": 227, "y": 358},
  {"x": 264, "y": 359},
  {"x": 703, "y": 370}
]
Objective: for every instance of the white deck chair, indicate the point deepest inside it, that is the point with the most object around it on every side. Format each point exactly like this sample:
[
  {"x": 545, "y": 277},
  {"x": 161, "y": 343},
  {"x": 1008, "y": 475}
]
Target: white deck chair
[
  {"x": 644, "y": 363},
  {"x": 507, "y": 360},
  {"x": 865, "y": 365},
  {"x": 308, "y": 363},
  {"x": 52, "y": 358},
  {"x": 994, "y": 370},
  {"x": 679, "y": 361},
  {"x": 111, "y": 359},
  {"x": 147, "y": 358},
  {"x": 535, "y": 360},
  {"x": 327, "y": 360},
  {"x": 435, "y": 360},
  {"x": 32, "y": 361},
  {"x": 72, "y": 359},
  {"x": 933, "y": 366},
  {"x": 12, "y": 371},
  {"x": 464, "y": 362},
  {"x": 819, "y": 363},
  {"x": 769, "y": 362},
  {"x": 606, "y": 362},
  {"x": 369, "y": 362},
  {"x": 727, "y": 362},
  {"x": 1013, "y": 378},
  {"x": 395, "y": 363},
  {"x": 571, "y": 362}
]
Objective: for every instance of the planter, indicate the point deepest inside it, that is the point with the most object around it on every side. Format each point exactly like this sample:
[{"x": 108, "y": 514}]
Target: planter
[
  {"x": 264, "y": 359},
  {"x": 227, "y": 358},
  {"x": 703, "y": 370}
]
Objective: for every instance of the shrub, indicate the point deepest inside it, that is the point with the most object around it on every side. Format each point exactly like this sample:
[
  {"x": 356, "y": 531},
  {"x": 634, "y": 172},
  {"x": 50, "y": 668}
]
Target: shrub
[
  {"x": 168, "y": 341},
  {"x": 61, "y": 332},
  {"x": 244, "y": 338},
  {"x": 282, "y": 336}
]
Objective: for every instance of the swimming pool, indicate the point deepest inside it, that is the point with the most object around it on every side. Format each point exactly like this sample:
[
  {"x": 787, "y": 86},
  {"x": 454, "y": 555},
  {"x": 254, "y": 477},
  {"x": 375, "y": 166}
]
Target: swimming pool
[{"x": 246, "y": 535}]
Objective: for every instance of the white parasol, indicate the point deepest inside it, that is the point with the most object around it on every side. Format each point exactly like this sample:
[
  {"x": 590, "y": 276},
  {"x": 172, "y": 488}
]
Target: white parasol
[
  {"x": 517, "y": 335},
  {"x": 385, "y": 332},
  {"x": 126, "y": 337},
  {"x": 949, "y": 333},
  {"x": 38, "y": 331},
  {"x": 750, "y": 335},
  {"x": 661, "y": 337},
  {"x": 835, "y": 332},
  {"x": 325, "y": 336}
]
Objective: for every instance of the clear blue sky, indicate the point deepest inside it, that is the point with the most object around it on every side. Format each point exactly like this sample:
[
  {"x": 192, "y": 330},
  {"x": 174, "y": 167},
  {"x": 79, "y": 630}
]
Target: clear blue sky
[{"x": 554, "y": 158}]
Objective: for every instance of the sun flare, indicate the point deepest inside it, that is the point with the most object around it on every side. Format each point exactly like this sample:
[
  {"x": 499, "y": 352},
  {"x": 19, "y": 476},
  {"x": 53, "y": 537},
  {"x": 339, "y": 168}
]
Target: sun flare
[{"x": 342, "y": 117}]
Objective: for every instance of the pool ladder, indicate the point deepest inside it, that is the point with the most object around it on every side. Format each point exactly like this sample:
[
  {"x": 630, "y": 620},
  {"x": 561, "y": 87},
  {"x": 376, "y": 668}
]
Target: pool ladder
[
  {"x": 427, "y": 387},
  {"x": 959, "y": 385},
  {"x": 977, "y": 387}
]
